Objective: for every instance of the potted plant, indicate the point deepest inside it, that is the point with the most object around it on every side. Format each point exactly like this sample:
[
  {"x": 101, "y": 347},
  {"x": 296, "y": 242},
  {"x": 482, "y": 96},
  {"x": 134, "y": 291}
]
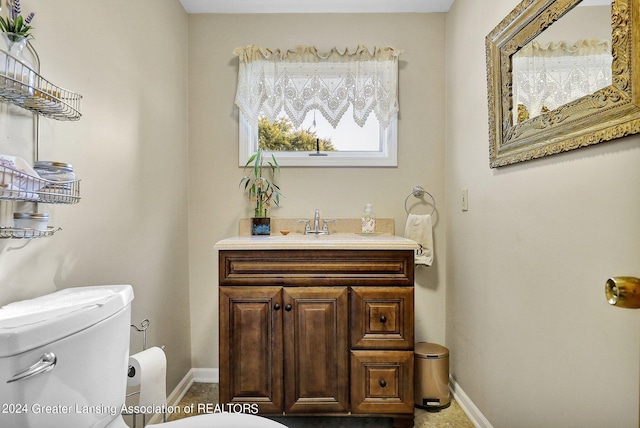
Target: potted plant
[
  {"x": 261, "y": 190},
  {"x": 15, "y": 34},
  {"x": 14, "y": 25}
]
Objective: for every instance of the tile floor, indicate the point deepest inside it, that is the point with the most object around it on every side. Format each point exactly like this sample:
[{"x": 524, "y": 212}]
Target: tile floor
[{"x": 207, "y": 394}]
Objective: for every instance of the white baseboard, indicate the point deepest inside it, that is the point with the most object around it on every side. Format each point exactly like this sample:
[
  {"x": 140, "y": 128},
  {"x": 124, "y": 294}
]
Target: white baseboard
[
  {"x": 206, "y": 375},
  {"x": 193, "y": 375},
  {"x": 474, "y": 414}
]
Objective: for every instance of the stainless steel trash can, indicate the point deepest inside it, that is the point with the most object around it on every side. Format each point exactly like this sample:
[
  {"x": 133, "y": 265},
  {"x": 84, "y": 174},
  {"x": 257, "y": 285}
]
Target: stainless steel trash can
[{"x": 431, "y": 376}]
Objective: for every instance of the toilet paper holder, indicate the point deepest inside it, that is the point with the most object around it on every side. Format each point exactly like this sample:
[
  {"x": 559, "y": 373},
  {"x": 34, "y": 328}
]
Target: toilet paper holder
[
  {"x": 131, "y": 371},
  {"x": 144, "y": 325}
]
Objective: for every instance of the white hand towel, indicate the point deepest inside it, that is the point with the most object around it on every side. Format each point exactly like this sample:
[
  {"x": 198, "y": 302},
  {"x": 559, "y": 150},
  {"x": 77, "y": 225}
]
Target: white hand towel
[{"x": 420, "y": 230}]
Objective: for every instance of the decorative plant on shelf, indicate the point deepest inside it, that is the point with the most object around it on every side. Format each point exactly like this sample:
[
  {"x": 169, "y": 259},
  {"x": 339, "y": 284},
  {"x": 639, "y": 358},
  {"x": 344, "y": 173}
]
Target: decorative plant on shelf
[
  {"x": 260, "y": 190},
  {"x": 14, "y": 25},
  {"x": 16, "y": 67}
]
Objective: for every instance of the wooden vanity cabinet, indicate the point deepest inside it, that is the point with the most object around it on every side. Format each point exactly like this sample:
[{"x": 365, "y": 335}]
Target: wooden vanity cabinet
[{"x": 318, "y": 332}]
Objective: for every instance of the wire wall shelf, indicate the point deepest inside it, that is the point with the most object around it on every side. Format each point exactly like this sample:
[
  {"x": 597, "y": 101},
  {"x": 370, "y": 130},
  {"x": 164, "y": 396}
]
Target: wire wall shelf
[
  {"x": 24, "y": 87},
  {"x": 20, "y": 186},
  {"x": 25, "y": 233}
]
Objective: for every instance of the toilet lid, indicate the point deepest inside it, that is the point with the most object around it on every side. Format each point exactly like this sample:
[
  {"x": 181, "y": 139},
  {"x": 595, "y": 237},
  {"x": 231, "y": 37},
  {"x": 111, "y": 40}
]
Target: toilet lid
[
  {"x": 227, "y": 420},
  {"x": 118, "y": 422},
  {"x": 29, "y": 324}
]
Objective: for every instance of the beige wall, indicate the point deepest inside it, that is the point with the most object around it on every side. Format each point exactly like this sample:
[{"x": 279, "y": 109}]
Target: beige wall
[
  {"x": 129, "y": 61},
  {"x": 216, "y": 202},
  {"x": 533, "y": 342}
]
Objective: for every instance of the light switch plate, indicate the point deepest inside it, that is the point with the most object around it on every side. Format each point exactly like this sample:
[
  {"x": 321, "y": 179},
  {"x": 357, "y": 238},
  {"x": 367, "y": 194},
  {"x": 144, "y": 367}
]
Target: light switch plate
[{"x": 465, "y": 199}]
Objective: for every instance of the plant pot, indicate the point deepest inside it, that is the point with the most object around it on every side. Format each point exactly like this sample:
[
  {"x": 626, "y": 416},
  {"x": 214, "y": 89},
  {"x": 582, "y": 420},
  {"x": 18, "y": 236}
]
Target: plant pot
[{"x": 260, "y": 226}]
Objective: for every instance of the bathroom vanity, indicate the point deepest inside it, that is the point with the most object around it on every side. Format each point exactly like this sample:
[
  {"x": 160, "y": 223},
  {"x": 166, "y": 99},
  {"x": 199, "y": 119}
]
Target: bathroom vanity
[{"x": 318, "y": 325}]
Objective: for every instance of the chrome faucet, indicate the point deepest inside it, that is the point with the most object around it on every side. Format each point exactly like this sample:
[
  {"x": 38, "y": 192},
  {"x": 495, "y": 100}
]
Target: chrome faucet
[
  {"x": 316, "y": 225},
  {"x": 316, "y": 221}
]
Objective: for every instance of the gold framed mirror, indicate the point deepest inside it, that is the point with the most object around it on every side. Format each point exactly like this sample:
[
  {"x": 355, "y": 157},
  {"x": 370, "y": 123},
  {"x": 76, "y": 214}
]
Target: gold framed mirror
[{"x": 543, "y": 114}]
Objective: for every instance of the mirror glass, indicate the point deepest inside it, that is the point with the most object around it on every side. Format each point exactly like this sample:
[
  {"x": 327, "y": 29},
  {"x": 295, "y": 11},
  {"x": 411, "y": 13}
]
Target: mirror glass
[{"x": 568, "y": 60}]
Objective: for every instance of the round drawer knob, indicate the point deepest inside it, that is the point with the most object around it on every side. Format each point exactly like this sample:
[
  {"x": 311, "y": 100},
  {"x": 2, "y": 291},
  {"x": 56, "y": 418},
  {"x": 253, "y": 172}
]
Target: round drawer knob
[
  {"x": 383, "y": 319},
  {"x": 287, "y": 307},
  {"x": 276, "y": 307},
  {"x": 383, "y": 383}
]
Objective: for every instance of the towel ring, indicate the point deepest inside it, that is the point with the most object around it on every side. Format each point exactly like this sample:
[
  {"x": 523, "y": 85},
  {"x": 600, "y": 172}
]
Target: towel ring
[{"x": 419, "y": 192}]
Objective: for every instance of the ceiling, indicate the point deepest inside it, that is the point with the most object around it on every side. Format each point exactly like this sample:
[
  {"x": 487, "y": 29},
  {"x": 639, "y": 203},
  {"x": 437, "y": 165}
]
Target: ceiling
[{"x": 315, "y": 6}]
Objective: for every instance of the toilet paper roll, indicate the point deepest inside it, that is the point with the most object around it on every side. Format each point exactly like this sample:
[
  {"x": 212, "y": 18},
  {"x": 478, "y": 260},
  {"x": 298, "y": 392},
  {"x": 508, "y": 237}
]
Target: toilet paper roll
[{"x": 150, "y": 372}]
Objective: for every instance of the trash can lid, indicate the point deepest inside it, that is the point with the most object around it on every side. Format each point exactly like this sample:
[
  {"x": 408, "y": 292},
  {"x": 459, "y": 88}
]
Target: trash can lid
[{"x": 430, "y": 350}]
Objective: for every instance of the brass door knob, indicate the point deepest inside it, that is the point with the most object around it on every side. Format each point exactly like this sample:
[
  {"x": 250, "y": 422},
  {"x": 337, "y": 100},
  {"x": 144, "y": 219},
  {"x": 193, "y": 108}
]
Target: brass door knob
[{"x": 623, "y": 291}]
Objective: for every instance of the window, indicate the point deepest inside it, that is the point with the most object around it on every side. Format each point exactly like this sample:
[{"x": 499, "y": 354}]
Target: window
[{"x": 323, "y": 98}]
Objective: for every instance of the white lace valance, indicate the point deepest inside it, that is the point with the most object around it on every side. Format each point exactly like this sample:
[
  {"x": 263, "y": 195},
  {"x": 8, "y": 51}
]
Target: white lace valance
[
  {"x": 550, "y": 75},
  {"x": 303, "y": 79}
]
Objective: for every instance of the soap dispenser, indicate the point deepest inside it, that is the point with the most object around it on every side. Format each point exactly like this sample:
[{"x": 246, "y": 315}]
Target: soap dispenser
[{"x": 368, "y": 220}]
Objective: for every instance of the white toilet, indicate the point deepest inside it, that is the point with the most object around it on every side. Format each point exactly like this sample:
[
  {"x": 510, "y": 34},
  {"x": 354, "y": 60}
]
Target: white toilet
[{"x": 64, "y": 359}]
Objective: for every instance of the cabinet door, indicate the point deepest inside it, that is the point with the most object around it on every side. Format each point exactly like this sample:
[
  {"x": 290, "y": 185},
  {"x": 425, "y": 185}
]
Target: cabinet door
[
  {"x": 251, "y": 346},
  {"x": 316, "y": 349}
]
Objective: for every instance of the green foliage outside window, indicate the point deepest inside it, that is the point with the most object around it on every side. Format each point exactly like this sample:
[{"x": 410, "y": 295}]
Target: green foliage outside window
[{"x": 282, "y": 136}]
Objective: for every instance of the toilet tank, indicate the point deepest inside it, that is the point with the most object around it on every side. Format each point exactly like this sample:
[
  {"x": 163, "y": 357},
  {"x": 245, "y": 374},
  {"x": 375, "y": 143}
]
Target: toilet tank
[{"x": 78, "y": 341}]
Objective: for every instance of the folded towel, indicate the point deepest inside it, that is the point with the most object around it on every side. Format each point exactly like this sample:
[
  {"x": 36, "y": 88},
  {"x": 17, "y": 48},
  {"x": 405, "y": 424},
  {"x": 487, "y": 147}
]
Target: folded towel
[
  {"x": 15, "y": 174},
  {"x": 420, "y": 230}
]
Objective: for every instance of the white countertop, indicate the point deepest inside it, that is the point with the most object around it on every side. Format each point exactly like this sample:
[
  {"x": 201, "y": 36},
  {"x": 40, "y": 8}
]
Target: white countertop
[{"x": 298, "y": 241}]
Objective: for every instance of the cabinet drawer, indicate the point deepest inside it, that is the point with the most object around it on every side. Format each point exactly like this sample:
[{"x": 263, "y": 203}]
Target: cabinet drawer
[
  {"x": 316, "y": 267},
  {"x": 382, "y": 381},
  {"x": 382, "y": 318}
]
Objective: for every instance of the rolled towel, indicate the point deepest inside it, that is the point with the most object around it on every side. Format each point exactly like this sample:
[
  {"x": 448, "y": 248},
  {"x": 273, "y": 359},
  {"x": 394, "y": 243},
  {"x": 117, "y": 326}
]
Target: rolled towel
[{"x": 419, "y": 229}]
